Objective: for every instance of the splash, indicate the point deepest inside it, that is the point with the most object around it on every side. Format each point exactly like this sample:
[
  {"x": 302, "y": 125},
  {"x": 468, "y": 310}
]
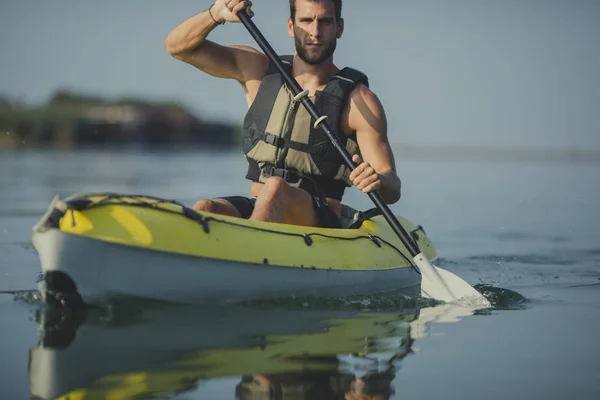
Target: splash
[
  {"x": 28, "y": 297},
  {"x": 502, "y": 299},
  {"x": 383, "y": 302}
]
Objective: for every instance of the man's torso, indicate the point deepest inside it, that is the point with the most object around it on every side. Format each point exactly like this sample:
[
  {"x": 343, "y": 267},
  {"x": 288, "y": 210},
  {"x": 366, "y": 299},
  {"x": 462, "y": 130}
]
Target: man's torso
[{"x": 252, "y": 88}]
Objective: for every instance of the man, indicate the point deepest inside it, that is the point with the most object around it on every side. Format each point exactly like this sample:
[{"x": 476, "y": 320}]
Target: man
[{"x": 297, "y": 176}]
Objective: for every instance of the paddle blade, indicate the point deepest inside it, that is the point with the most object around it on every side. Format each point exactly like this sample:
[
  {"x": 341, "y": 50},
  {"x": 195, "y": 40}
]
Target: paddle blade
[{"x": 437, "y": 283}]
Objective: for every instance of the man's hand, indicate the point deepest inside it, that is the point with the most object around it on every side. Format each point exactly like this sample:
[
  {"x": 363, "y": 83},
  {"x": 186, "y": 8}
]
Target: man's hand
[
  {"x": 226, "y": 10},
  {"x": 364, "y": 177}
]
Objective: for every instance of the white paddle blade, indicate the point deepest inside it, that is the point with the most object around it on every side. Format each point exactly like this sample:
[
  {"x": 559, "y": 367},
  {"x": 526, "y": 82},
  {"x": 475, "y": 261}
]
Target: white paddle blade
[{"x": 437, "y": 283}]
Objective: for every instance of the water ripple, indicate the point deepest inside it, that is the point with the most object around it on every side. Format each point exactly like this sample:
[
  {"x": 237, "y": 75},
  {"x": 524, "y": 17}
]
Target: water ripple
[
  {"x": 593, "y": 252},
  {"x": 7, "y": 212},
  {"x": 383, "y": 302},
  {"x": 530, "y": 259},
  {"x": 521, "y": 236}
]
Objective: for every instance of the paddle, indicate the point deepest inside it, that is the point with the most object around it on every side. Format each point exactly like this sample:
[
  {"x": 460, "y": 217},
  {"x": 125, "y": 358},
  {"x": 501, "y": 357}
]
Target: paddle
[{"x": 435, "y": 282}]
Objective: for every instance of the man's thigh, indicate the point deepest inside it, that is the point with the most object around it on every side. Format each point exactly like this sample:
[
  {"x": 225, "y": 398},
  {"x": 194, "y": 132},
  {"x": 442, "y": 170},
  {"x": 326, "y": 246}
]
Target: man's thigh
[{"x": 300, "y": 208}]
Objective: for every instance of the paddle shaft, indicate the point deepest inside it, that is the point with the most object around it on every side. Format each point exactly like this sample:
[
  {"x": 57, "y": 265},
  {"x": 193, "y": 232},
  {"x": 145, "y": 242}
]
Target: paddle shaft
[{"x": 310, "y": 107}]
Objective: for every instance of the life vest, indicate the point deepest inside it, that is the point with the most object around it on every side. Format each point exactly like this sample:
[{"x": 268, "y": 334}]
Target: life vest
[{"x": 280, "y": 138}]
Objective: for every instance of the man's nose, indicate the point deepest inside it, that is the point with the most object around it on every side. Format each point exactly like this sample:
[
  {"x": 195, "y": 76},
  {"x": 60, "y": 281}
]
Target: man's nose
[{"x": 315, "y": 29}]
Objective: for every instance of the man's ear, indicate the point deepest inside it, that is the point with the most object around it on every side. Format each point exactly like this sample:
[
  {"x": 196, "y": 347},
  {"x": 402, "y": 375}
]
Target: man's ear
[
  {"x": 340, "y": 25},
  {"x": 290, "y": 26}
]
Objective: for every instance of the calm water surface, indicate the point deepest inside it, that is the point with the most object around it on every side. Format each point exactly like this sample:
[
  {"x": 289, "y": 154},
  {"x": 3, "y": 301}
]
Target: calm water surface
[{"x": 530, "y": 228}]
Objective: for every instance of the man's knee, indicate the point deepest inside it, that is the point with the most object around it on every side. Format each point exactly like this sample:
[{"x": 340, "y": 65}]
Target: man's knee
[
  {"x": 206, "y": 205},
  {"x": 217, "y": 206},
  {"x": 275, "y": 186}
]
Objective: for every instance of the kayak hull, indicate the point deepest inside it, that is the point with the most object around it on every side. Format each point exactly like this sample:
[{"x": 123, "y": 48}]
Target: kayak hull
[
  {"x": 99, "y": 246},
  {"x": 130, "y": 271}
]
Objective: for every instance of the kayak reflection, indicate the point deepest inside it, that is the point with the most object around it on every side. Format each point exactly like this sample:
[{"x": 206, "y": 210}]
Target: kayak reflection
[{"x": 139, "y": 349}]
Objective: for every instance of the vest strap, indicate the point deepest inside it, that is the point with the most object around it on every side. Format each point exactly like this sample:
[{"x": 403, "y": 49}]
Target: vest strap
[
  {"x": 352, "y": 76},
  {"x": 274, "y": 140},
  {"x": 316, "y": 186},
  {"x": 281, "y": 143},
  {"x": 287, "y": 175}
]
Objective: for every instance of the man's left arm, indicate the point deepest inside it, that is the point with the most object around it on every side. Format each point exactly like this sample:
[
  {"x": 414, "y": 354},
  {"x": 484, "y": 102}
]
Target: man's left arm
[{"x": 376, "y": 169}]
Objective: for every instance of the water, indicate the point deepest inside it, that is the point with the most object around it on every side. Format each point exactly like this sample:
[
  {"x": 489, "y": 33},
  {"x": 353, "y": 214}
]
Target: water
[{"x": 528, "y": 229}]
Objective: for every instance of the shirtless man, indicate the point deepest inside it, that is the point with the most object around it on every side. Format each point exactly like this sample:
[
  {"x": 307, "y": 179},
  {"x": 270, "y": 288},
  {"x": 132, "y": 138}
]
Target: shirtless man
[{"x": 297, "y": 176}]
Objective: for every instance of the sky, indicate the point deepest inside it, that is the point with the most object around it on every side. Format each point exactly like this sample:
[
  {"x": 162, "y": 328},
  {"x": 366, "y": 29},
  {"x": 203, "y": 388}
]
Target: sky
[{"x": 507, "y": 73}]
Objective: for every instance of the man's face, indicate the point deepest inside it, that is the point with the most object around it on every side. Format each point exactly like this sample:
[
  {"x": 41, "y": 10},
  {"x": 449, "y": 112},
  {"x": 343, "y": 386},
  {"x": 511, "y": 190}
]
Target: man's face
[{"x": 315, "y": 30}]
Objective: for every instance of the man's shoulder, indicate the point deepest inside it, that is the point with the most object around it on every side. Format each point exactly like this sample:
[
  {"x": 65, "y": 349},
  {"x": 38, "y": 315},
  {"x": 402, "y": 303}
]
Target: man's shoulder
[
  {"x": 363, "y": 94},
  {"x": 363, "y": 111},
  {"x": 361, "y": 89}
]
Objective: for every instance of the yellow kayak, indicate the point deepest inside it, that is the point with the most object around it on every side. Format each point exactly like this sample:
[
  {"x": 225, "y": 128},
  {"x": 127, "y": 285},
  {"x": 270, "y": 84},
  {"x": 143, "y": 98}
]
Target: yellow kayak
[{"x": 105, "y": 244}]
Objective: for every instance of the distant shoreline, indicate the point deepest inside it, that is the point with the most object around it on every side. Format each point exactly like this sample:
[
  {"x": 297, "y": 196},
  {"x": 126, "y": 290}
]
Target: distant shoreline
[
  {"x": 402, "y": 151},
  {"x": 73, "y": 120},
  {"x": 495, "y": 153}
]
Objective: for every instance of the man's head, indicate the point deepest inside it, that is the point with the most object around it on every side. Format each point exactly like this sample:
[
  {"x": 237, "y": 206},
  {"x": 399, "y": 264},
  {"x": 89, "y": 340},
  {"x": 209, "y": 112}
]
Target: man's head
[{"x": 315, "y": 26}]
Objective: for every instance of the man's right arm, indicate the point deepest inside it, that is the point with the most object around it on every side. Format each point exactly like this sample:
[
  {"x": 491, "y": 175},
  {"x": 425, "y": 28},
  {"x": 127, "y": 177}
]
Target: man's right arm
[{"x": 187, "y": 42}]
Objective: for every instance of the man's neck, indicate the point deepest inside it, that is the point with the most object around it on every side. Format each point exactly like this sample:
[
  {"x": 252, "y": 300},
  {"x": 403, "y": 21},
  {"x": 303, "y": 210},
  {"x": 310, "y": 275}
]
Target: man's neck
[{"x": 311, "y": 76}]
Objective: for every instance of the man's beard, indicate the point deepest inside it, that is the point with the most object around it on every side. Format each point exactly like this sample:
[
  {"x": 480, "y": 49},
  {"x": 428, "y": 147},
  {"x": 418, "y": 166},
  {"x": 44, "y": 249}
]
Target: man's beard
[{"x": 315, "y": 58}]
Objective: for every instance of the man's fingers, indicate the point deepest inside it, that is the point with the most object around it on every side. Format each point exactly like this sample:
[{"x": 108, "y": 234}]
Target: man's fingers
[
  {"x": 364, "y": 177},
  {"x": 242, "y": 5},
  {"x": 369, "y": 187},
  {"x": 372, "y": 187},
  {"x": 232, "y": 4},
  {"x": 357, "y": 172},
  {"x": 368, "y": 182},
  {"x": 360, "y": 168},
  {"x": 365, "y": 172}
]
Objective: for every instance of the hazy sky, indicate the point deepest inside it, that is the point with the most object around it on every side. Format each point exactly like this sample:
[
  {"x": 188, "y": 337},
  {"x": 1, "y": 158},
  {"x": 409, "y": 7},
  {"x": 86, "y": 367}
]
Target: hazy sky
[{"x": 479, "y": 72}]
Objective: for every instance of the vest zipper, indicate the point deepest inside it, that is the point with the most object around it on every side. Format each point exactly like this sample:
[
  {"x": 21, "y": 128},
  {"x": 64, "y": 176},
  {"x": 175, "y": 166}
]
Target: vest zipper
[{"x": 287, "y": 133}]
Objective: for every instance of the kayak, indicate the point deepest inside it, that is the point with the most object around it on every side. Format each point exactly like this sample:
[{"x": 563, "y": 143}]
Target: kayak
[{"x": 101, "y": 245}]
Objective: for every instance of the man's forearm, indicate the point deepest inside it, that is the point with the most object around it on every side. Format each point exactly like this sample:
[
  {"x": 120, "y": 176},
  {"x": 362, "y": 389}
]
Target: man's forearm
[
  {"x": 390, "y": 187},
  {"x": 190, "y": 34}
]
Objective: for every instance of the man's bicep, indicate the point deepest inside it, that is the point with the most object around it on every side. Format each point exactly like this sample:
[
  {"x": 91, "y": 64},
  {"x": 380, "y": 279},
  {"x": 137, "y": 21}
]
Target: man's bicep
[
  {"x": 251, "y": 64},
  {"x": 212, "y": 58}
]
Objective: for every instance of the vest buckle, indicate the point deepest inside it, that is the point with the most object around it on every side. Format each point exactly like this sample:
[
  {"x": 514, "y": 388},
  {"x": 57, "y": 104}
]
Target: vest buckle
[
  {"x": 274, "y": 140},
  {"x": 286, "y": 175}
]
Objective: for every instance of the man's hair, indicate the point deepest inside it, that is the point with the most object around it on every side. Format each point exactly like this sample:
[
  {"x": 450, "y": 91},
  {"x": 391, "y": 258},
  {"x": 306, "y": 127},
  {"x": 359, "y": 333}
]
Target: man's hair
[{"x": 337, "y": 5}]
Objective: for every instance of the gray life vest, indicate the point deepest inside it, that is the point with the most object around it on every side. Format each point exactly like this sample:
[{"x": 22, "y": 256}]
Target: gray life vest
[{"x": 280, "y": 139}]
